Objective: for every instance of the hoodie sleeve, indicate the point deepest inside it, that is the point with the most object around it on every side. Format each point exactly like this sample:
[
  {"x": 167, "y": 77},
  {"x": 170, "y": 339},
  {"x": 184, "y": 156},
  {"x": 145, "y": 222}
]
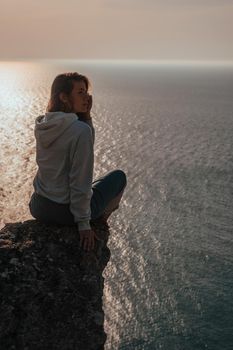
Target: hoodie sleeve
[
  {"x": 80, "y": 179},
  {"x": 90, "y": 123}
]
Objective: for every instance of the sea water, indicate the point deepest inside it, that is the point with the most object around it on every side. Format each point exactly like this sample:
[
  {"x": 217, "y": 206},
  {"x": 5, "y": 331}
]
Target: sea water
[{"x": 169, "y": 283}]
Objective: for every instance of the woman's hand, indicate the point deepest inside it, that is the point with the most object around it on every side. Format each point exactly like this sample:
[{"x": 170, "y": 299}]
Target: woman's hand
[
  {"x": 86, "y": 115},
  {"x": 89, "y": 106},
  {"x": 87, "y": 239}
]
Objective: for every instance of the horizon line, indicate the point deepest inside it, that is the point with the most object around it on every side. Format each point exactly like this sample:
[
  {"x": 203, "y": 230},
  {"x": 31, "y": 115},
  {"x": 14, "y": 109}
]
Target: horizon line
[{"x": 125, "y": 61}]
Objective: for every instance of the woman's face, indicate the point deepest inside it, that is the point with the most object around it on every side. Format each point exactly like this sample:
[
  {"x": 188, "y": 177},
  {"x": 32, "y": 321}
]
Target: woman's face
[{"x": 79, "y": 97}]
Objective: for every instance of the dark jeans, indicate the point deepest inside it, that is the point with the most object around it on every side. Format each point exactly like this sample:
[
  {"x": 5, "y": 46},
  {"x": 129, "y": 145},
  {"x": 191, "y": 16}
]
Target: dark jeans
[{"x": 105, "y": 189}]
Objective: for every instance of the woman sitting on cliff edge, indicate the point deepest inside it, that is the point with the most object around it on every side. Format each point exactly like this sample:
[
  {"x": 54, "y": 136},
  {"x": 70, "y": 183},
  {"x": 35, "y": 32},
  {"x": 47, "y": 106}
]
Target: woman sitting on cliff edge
[{"x": 63, "y": 189}]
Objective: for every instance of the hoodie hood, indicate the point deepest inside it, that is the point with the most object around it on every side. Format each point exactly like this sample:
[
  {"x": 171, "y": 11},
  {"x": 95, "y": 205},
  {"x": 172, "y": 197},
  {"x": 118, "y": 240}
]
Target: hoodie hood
[{"x": 52, "y": 125}]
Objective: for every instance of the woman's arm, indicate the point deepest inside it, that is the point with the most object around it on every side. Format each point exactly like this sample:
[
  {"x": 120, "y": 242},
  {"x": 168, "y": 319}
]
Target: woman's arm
[
  {"x": 81, "y": 189},
  {"x": 90, "y": 123},
  {"x": 86, "y": 117},
  {"x": 80, "y": 179}
]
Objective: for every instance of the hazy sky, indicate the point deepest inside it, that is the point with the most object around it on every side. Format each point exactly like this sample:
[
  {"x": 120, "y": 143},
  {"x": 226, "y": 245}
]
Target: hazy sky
[{"x": 117, "y": 29}]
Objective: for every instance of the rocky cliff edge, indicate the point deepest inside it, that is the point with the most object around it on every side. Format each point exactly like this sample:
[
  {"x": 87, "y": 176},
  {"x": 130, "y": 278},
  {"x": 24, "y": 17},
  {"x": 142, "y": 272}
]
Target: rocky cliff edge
[{"x": 50, "y": 289}]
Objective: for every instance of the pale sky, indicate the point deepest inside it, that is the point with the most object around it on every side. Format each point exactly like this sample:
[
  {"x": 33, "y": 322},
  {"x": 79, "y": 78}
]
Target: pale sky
[{"x": 117, "y": 29}]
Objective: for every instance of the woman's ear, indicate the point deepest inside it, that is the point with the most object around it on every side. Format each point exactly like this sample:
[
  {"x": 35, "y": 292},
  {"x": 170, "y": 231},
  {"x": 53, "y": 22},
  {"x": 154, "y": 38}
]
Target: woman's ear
[{"x": 63, "y": 97}]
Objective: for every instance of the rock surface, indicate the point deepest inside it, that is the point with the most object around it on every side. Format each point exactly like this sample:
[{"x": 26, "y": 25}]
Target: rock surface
[{"x": 50, "y": 289}]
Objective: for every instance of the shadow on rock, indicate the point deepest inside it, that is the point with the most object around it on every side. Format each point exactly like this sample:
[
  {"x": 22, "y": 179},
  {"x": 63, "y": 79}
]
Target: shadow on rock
[{"x": 50, "y": 289}]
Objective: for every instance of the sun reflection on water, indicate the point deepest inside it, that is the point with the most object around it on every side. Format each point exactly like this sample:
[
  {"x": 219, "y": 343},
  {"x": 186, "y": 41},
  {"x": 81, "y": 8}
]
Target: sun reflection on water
[
  {"x": 18, "y": 90},
  {"x": 11, "y": 88}
]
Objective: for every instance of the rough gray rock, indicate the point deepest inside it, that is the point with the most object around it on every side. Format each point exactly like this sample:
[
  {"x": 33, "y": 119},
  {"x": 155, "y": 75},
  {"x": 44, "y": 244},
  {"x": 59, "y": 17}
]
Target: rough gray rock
[{"x": 50, "y": 289}]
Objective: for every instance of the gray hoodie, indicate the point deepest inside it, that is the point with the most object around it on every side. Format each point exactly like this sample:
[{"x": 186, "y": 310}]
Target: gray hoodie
[{"x": 65, "y": 158}]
